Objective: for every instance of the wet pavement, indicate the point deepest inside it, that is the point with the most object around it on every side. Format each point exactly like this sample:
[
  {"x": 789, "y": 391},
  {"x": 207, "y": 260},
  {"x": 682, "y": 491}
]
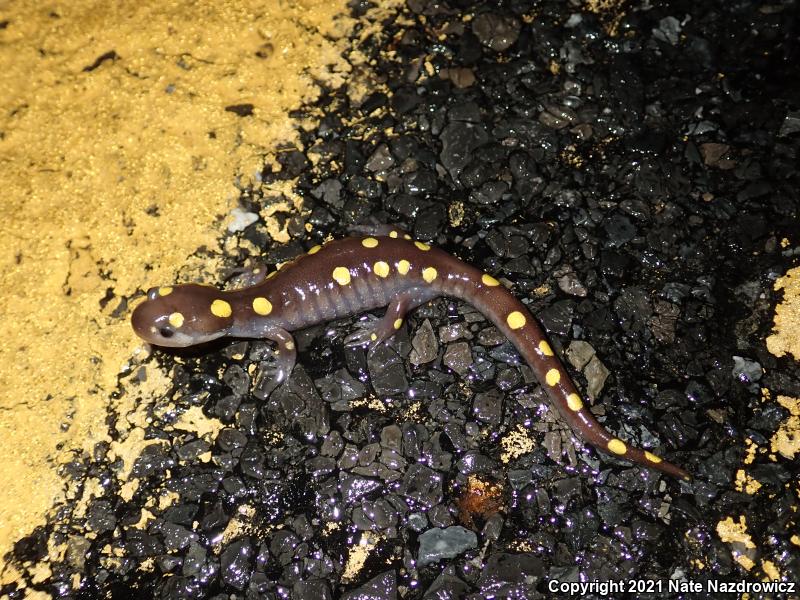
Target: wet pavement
[{"x": 632, "y": 174}]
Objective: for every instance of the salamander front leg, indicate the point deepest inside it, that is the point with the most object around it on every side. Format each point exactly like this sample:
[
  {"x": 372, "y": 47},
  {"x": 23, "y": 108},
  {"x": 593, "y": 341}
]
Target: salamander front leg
[
  {"x": 379, "y": 229},
  {"x": 275, "y": 372},
  {"x": 243, "y": 277}
]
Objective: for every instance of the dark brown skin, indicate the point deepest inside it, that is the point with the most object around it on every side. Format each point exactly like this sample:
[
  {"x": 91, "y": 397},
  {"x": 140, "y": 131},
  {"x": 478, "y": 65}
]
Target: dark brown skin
[{"x": 354, "y": 275}]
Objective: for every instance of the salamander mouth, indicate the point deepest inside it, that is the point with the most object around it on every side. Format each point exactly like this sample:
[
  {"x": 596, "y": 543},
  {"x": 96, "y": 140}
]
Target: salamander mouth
[{"x": 175, "y": 339}]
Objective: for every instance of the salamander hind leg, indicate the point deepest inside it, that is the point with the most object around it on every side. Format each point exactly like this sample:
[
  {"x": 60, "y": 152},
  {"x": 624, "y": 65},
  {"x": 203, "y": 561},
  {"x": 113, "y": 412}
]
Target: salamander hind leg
[
  {"x": 365, "y": 330},
  {"x": 377, "y": 330},
  {"x": 571, "y": 406}
]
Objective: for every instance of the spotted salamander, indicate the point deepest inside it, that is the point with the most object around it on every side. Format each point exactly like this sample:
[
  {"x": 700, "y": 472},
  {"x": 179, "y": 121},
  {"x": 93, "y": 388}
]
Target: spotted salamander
[{"x": 353, "y": 275}]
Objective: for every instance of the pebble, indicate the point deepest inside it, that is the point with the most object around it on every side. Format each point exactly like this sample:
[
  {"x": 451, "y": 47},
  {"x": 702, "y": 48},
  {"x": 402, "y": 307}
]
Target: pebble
[
  {"x": 422, "y": 484},
  {"x": 746, "y": 370},
  {"x": 458, "y": 357},
  {"x": 235, "y": 563},
  {"x": 241, "y": 220},
  {"x": 425, "y": 345},
  {"x": 498, "y": 32},
  {"x": 380, "y": 587},
  {"x": 437, "y": 544}
]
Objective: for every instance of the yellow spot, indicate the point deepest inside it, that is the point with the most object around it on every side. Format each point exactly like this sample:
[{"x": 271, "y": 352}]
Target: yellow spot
[
  {"x": 262, "y": 306},
  {"x": 289, "y": 345},
  {"x": 652, "y": 457},
  {"x": 369, "y": 242},
  {"x": 406, "y": 236},
  {"x": 516, "y": 320},
  {"x": 341, "y": 275},
  {"x": 381, "y": 268},
  {"x": 398, "y": 323},
  {"x": 314, "y": 249},
  {"x": 429, "y": 274},
  {"x": 220, "y": 308},
  {"x": 392, "y": 234},
  {"x": 176, "y": 320},
  {"x": 165, "y": 291},
  {"x": 403, "y": 266},
  {"x": 489, "y": 280},
  {"x": 271, "y": 275},
  {"x": 373, "y": 336},
  {"x": 574, "y": 402},
  {"x": 545, "y": 348},
  {"x": 617, "y": 446},
  {"x": 422, "y": 246},
  {"x": 552, "y": 377}
]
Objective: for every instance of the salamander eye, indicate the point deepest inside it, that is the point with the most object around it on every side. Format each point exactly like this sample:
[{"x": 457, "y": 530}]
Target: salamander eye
[{"x": 166, "y": 332}]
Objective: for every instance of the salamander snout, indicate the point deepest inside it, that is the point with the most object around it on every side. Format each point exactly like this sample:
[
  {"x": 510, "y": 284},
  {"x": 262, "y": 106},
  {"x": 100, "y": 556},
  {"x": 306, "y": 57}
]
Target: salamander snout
[{"x": 181, "y": 316}]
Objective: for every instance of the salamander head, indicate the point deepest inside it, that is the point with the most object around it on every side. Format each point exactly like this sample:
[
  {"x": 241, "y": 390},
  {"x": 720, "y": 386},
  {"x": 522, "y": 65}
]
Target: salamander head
[{"x": 182, "y": 316}]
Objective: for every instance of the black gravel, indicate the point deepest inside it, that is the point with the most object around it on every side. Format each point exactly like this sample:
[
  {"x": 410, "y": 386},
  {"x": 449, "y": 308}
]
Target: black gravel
[{"x": 634, "y": 175}]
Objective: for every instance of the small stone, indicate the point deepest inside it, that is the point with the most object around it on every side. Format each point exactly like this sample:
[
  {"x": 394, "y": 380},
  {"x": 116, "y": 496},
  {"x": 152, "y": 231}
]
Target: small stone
[
  {"x": 381, "y": 587},
  {"x": 381, "y": 159},
  {"x": 425, "y": 348},
  {"x": 669, "y": 30},
  {"x": 392, "y": 437},
  {"x": 353, "y": 488},
  {"x": 77, "y": 547},
  {"x": 332, "y": 445},
  {"x": 579, "y": 353},
  {"x": 193, "y": 449},
  {"x": 100, "y": 517},
  {"x": 570, "y": 284},
  {"x": 491, "y": 336},
  {"x": 458, "y": 142},
  {"x": 447, "y": 587},
  {"x": 241, "y": 219},
  {"x": 177, "y": 536},
  {"x": 237, "y": 379},
  {"x": 417, "y": 521},
  {"x": 790, "y": 125},
  {"x": 231, "y": 439},
  {"x": 456, "y": 331},
  {"x": 311, "y": 590},
  {"x": 596, "y": 374},
  {"x": 252, "y": 462},
  {"x": 620, "y": 230},
  {"x": 194, "y": 560},
  {"x": 422, "y": 484},
  {"x": 235, "y": 564},
  {"x": 436, "y": 544},
  {"x": 387, "y": 371},
  {"x": 498, "y": 32},
  {"x": 488, "y": 406},
  {"x": 458, "y": 357},
  {"x": 462, "y": 77},
  {"x": 746, "y": 370},
  {"x": 713, "y": 153},
  {"x": 508, "y": 575}
]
